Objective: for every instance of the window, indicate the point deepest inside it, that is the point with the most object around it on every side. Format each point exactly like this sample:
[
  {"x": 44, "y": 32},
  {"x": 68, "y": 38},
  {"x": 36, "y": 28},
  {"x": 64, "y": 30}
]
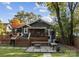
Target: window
[{"x": 25, "y": 30}]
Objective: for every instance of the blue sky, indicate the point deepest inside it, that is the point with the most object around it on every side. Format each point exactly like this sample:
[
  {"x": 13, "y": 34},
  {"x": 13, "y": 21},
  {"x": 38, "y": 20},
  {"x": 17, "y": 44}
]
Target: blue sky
[{"x": 9, "y": 9}]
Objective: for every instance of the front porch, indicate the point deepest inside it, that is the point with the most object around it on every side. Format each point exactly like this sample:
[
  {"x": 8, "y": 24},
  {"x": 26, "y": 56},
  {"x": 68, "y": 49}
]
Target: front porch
[{"x": 40, "y": 35}]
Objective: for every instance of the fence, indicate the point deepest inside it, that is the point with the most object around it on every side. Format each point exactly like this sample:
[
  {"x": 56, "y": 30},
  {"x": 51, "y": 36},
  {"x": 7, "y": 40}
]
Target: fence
[
  {"x": 76, "y": 42},
  {"x": 5, "y": 40}
]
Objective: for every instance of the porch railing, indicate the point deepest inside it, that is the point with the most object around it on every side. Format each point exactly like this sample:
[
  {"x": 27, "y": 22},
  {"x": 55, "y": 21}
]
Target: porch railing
[{"x": 29, "y": 35}]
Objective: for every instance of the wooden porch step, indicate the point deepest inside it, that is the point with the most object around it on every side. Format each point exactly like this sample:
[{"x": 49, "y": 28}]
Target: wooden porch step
[
  {"x": 39, "y": 38},
  {"x": 40, "y": 42}
]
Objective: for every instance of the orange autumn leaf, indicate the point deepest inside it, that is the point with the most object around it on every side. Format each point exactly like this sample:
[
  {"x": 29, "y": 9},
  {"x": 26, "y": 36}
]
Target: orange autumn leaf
[{"x": 16, "y": 22}]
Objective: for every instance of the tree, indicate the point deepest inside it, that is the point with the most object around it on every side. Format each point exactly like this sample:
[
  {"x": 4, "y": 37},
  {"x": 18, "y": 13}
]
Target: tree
[
  {"x": 76, "y": 18},
  {"x": 65, "y": 24},
  {"x": 2, "y": 28},
  {"x": 57, "y": 7},
  {"x": 72, "y": 6},
  {"x": 25, "y": 16}
]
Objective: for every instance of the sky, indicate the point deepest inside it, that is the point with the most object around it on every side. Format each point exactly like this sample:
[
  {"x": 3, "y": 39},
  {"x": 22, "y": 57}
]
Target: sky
[{"x": 9, "y": 9}]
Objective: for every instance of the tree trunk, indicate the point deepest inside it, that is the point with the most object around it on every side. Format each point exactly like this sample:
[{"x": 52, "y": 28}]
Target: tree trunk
[
  {"x": 60, "y": 25},
  {"x": 71, "y": 30}
]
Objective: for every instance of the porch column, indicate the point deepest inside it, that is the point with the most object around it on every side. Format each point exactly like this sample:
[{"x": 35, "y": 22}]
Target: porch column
[{"x": 49, "y": 35}]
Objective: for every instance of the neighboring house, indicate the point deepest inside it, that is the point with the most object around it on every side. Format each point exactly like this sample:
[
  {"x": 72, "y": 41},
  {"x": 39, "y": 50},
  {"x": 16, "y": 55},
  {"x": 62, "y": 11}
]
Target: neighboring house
[
  {"x": 22, "y": 29},
  {"x": 8, "y": 27}
]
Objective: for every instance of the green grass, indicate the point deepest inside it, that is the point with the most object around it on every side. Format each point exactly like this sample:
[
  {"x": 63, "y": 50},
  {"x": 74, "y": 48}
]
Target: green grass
[
  {"x": 66, "y": 53},
  {"x": 12, "y": 52}
]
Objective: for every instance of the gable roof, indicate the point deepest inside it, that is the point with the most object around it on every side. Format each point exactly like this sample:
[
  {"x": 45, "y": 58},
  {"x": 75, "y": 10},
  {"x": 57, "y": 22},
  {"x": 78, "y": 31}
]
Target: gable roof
[
  {"x": 39, "y": 20},
  {"x": 19, "y": 26}
]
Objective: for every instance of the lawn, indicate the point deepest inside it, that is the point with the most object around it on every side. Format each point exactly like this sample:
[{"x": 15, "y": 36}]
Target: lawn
[
  {"x": 12, "y": 52},
  {"x": 8, "y": 51},
  {"x": 66, "y": 53}
]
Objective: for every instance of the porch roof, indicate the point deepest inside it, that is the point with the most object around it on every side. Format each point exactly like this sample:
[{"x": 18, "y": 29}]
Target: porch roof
[{"x": 37, "y": 28}]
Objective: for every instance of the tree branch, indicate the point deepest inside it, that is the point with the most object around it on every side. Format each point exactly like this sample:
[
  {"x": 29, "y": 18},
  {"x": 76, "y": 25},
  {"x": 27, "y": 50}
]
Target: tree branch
[
  {"x": 70, "y": 5},
  {"x": 74, "y": 6}
]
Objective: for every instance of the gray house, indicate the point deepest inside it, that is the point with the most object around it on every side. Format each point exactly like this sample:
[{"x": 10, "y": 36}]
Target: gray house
[
  {"x": 40, "y": 26},
  {"x": 40, "y": 31}
]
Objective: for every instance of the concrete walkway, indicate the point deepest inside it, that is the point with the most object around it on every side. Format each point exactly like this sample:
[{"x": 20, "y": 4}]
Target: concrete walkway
[
  {"x": 47, "y": 55},
  {"x": 44, "y": 49}
]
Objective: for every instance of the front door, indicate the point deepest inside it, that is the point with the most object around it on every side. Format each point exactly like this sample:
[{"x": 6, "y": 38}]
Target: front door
[{"x": 51, "y": 35}]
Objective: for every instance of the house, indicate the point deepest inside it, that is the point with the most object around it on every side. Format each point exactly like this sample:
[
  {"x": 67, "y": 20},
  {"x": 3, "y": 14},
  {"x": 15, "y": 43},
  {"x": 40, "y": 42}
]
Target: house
[
  {"x": 40, "y": 25},
  {"x": 40, "y": 31},
  {"x": 37, "y": 32},
  {"x": 21, "y": 29},
  {"x": 8, "y": 27},
  {"x": 18, "y": 26}
]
